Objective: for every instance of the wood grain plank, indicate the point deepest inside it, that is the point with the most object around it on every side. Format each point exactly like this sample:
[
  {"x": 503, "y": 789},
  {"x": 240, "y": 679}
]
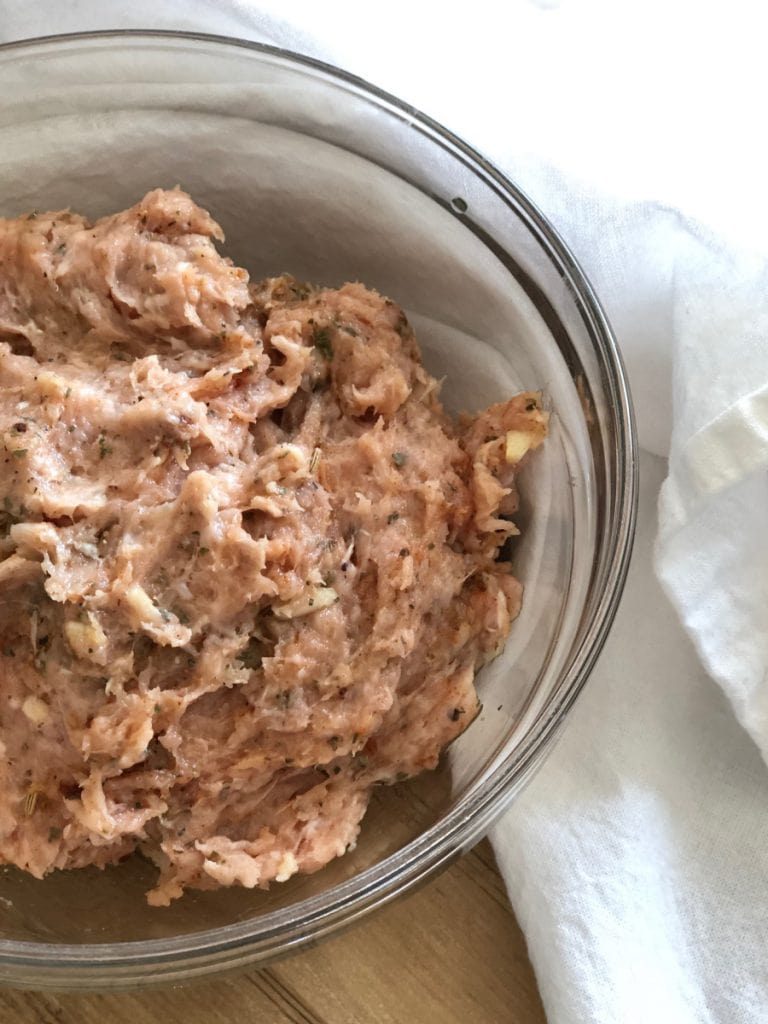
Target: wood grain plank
[
  {"x": 451, "y": 953},
  {"x": 283, "y": 996},
  {"x": 226, "y": 1001}
]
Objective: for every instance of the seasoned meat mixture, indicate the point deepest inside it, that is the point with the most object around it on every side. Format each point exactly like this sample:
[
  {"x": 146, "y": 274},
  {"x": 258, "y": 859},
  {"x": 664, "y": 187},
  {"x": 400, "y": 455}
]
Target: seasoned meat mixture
[{"x": 248, "y": 566}]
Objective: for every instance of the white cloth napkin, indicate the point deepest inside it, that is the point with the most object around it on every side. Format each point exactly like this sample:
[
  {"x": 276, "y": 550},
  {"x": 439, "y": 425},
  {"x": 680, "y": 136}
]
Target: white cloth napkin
[{"x": 636, "y": 860}]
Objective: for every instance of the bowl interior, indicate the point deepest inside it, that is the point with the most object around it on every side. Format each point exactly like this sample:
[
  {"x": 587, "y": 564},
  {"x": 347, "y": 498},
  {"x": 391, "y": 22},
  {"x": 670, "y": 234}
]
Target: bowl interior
[{"x": 313, "y": 173}]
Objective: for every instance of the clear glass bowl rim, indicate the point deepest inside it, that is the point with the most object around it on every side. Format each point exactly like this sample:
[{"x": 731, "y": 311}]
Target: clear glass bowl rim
[{"x": 98, "y": 965}]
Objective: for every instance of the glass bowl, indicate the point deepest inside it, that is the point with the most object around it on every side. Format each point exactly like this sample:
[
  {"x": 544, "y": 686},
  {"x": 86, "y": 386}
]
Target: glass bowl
[{"x": 314, "y": 171}]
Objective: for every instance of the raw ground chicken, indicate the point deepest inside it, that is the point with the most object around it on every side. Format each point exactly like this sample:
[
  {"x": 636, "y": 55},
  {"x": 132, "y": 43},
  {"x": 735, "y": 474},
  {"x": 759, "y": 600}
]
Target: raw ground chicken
[{"x": 248, "y": 567}]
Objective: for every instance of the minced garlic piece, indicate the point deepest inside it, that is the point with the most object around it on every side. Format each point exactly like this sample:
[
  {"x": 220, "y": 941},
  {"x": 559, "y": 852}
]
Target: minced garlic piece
[
  {"x": 145, "y": 611},
  {"x": 517, "y": 444},
  {"x": 288, "y": 866},
  {"x": 312, "y": 600},
  {"x": 36, "y": 710},
  {"x": 87, "y": 639}
]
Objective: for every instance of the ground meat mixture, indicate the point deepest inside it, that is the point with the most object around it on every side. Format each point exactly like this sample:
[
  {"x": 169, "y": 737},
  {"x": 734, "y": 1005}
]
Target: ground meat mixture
[{"x": 248, "y": 567}]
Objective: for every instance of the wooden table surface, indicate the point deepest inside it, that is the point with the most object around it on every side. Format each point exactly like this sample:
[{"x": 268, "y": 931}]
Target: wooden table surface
[{"x": 451, "y": 953}]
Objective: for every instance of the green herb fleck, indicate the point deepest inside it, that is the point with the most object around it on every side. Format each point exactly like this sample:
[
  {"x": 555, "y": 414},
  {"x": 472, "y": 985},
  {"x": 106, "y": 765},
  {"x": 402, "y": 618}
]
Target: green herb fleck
[
  {"x": 104, "y": 448},
  {"x": 30, "y": 802},
  {"x": 399, "y": 459},
  {"x": 321, "y": 339},
  {"x": 68, "y": 392},
  {"x": 19, "y": 453},
  {"x": 54, "y": 834},
  {"x": 203, "y": 551},
  {"x": 393, "y": 517},
  {"x": 349, "y": 329}
]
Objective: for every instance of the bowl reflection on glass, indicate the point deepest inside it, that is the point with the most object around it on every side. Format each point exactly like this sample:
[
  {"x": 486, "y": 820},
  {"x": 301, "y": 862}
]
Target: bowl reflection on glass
[{"x": 312, "y": 171}]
